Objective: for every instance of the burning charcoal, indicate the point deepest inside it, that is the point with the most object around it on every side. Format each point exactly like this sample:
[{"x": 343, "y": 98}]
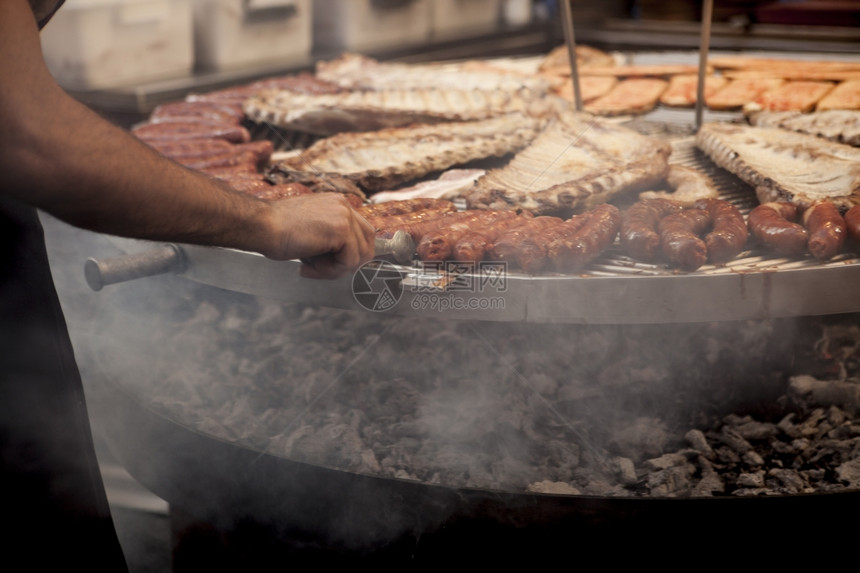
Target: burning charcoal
[
  {"x": 644, "y": 437},
  {"x": 601, "y": 488},
  {"x": 849, "y": 473},
  {"x": 726, "y": 455},
  {"x": 665, "y": 461},
  {"x": 836, "y": 416},
  {"x": 626, "y": 471},
  {"x": 755, "y": 480},
  {"x": 756, "y": 431},
  {"x": 752, "y": 458},
  {"x": 734, "y": 440},
  {"x": 710, "y": 483},
  {"x": 826, "y": 392},
  {"x": 671, "y": 482},
  {"x": 696, "y": 439},
  {"x": 790, "y": 479},
  {"x": 788, "y": 427},
  {"x": 845, "y": 431},
  {"x": 800, "y": 445},
  {"x": 556, "y": 487},
  {"x": 810, "y": 426}
]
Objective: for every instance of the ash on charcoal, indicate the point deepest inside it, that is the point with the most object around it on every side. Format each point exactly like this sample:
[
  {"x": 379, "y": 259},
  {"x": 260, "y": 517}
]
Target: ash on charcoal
[{"x": 751, "y": 408}]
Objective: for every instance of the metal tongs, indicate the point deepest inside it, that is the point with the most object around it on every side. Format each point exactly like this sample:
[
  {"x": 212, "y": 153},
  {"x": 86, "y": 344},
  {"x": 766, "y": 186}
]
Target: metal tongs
[{"x": 171, "y": 258}]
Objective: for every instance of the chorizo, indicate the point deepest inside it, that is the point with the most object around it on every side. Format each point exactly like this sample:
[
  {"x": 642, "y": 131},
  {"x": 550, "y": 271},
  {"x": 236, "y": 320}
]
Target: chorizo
[
  {"x": 244, "y": 159},
  {"x": 521, "y": 246},
  {"x": 176, "y": 149},
  {"x": 728, "y": 233},
  {"x": 680, "y": 241},
  {"x": 473, "y": 246},
  {"x": 535, "y": 255},
  {"x": 639, "y": 236},
  {"x": 416, "y": 223},
  {"x": 852, "y": 222},
  {"x": 773, "y": 224},
  {"x": 438, "y": 245},
  {"x": 826, "y": 228},
  {"x": 594, "y": 233},
  {"x": 404, "y": 206},
  {"x": 189, "y": 129},
  {"x": 282, "y": 191},
  {"x": 209, "y": 110}
]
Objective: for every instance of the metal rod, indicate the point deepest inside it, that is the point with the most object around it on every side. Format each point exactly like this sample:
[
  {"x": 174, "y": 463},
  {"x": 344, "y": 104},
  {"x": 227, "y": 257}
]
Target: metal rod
[
  {"x": 704, "y": 43},
  {"x": 567, "y": 24}
]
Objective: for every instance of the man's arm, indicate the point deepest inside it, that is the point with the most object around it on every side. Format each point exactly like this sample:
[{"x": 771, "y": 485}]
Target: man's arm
[{"x": 61, "y": 157}]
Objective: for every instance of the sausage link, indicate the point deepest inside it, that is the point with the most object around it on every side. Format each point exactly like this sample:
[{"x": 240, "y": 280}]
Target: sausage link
[
  {"x": 773, "y": 225},
  {"x": 403, "y": 206},
  {"x": 212, "y": 111},
  {"x": 852, "y": 222},
  {"x": 639, "y": 236},
  {"x": 521, "y": 246},
  {"x": 439, "y": 244},
  {"x": 826, "y": 228},
  {"x": 595, "y": 233},
  {"x": 229, "y": 159},
  {"x": 187, "y": 129},
  {"x": 535, "y": 255},
  {"x": 416, "y": 223},
  {"x": 473, "y": 246},
  {"x": 176, "y": 149},
  {"x": 231, "y": 171},
  {"x": 728, "y": 233},
  {"x": 679, "y": 238},
  {"x": 282, "y": 191},
  {"x": 262, "y": 150}
]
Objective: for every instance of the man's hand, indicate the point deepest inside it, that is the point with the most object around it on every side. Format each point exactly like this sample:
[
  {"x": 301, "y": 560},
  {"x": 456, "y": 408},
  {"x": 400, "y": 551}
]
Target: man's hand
[{"x": 322, "y": 230}]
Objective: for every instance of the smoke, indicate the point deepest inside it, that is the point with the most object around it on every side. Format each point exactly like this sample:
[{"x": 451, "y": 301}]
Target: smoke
[{"x": 293, "y": 413}]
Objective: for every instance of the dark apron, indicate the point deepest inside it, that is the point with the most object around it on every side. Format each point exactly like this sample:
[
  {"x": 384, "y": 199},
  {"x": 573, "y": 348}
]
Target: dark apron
[
  {"x": 52, "y": 501},
  {"x": 53, "y": 505}
]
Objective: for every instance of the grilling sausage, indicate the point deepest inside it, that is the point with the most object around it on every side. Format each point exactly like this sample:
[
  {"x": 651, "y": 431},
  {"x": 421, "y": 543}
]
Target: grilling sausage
[
  {"x": 826, "y": 228},
  {"x": 246, "y": 159},
  {"x": 416, "y": 223},
  {"x": 852, "y": 222},
  {"x": 593, "y": 234},
  {"x": 188, "y": 129},
  {"x": 522, "y": 245},
  {"x": 639, "y": 236},
  {"x": 728, "y": 233},
  {"x": 474, "y": 245},
  {"x": 773, "y": 224},
  {"x": 438, "y": 245},
  {"x": 212, "y": 111},
  {"x": 401, "y": 207},
  {"x": 535, "y": 256},
  {"x": 176, "y": 149},
  {"x": 281, "y": 191},
  {"x": 679, "y": 238}
]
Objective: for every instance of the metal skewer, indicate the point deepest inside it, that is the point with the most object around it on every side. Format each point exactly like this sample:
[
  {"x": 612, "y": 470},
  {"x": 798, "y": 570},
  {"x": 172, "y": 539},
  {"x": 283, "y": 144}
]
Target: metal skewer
[
  {"x": 704, "y": 43},
  {"x": 567, "y": 24}
]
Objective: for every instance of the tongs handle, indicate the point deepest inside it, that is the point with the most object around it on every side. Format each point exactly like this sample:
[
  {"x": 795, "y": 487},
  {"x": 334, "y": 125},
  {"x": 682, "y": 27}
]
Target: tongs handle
[{"x": 165, "y": 259}]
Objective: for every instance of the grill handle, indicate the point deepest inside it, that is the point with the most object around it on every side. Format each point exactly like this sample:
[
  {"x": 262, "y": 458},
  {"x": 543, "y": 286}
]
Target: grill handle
[{"x": 165, "y": 259}]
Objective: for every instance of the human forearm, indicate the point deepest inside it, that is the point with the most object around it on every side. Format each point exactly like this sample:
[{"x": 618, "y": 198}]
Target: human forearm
[
  {"x": 60, "y": 156},
  {"x": 94, "y": 175}
]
